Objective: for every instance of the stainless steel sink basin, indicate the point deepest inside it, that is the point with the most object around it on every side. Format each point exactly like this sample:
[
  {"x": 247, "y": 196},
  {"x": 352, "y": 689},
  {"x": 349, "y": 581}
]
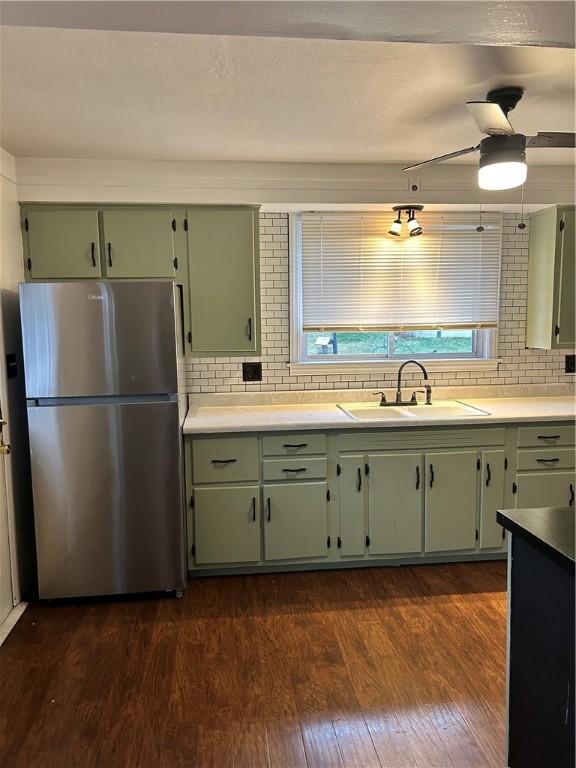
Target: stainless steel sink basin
[{"x": 443, "y": 409}]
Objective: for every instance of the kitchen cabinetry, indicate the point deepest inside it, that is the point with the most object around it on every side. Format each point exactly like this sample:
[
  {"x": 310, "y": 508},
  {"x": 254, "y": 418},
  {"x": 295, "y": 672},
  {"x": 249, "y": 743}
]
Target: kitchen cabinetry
[
  {"x": 227, "y": 524},
  {"x": 450, "y": 507},
  {"x": 295, "y": 521},
  {"x": 352, "y": 505},
  {"x": 493, "y": 464},
  {"x": 211, "y": 253},
  {"x": 224, "y": 280},
  {"x": 278, "y": 499},
  {"x": 395, "y": 503},
  {"x": 551, "y": 321},
  {"x": 544, "y": 489},
  {"x": 61, "y": 243},
  {"x": 545, "y": 461},
  {"x": 139, "y": 243}
]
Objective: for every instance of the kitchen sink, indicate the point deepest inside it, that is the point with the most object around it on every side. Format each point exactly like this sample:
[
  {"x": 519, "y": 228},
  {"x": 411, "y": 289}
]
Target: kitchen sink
[
  {"x": 373, "y": 411},
  {"x": 443, "y": 409}
]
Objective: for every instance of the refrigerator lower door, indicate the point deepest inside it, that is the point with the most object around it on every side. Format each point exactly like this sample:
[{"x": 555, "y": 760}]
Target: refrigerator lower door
[{"x": 107, "y": 498}]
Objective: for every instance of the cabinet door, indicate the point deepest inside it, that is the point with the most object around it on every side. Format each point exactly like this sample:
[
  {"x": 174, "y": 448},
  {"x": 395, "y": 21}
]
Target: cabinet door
[
  {"x": 138, "y": 243},
  {"x": 351, "y": 492},
  {"x": 61, "y": 244},
  {"x": 451, "y": 481},
  {"x": 222, "y": 248},
  {"x": 491, "y": 499},
  {"x": 565, "y": 283},
  {"x": 545, "y": 489},
  {"x": 295, "y": 521},
  {"x": 395, "y": 503},
  {"x": 227, "y": 524}
]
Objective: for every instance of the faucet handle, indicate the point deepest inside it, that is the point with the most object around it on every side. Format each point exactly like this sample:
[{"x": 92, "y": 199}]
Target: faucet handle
[
  {"x": 382, "y": 397},
  {"x": 413, "y": 399}
]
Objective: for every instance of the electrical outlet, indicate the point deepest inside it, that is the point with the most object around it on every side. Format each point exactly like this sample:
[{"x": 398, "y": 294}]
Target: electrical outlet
[
  {"x": 251, "y": 371},
  {"x": 570, "y": 364}
]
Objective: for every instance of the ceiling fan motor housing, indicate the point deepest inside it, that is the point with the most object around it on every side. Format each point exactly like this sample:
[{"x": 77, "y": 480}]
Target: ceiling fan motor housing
[{"x": 503, "y": 149}]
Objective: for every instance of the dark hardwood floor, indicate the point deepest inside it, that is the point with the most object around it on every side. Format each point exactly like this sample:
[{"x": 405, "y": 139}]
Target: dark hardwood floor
[{"x": 398, "y": 667}]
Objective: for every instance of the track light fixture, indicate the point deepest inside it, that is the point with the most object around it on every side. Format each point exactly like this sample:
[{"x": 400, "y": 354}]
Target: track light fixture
[{"x": 414, "y": 227}]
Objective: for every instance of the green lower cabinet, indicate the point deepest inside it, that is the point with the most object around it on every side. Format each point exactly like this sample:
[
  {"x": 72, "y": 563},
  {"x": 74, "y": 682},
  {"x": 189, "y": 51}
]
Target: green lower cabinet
[
  {"x": 295, "y": 521},
  {"x": 491, "y": 498},
  {"x": 139, "y": 243},
  {"x": 61, "y": 243},
  {"x": 450, "y": 501},
  {"x": 352, "y": 505},
  {"x": 395, "y": 503},
  {"x": 227, "y": 524},
  {"x": 545, "y": 489}
]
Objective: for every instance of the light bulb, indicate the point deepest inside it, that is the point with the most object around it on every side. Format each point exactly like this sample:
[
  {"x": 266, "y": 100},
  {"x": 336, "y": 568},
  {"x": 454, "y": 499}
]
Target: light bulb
[
  {"x": 414, "y": 227},
  {"x": 506, "y": 175},
  {"x": 395, "y": 227}
]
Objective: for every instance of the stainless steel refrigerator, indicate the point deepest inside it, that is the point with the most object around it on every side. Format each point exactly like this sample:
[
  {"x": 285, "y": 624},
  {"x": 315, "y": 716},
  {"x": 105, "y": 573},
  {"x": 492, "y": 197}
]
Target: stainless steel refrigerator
[{"x": 100, "y": 364}]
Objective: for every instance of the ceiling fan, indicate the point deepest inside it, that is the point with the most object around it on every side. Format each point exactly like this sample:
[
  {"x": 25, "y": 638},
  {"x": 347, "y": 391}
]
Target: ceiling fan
[{"x": 503, "y": 151}]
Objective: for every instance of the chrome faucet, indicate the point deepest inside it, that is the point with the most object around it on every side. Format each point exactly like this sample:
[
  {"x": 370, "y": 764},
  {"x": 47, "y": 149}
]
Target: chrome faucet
[{"x": 412, "y": 400}]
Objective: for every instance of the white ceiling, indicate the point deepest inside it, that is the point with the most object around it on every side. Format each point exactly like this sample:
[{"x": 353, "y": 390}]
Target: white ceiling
[{"x": 73, "y": 93}]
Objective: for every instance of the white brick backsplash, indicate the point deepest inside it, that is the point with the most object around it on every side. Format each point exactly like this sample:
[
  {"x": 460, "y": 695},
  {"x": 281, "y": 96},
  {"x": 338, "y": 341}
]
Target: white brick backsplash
[{"x": 517, "y": 364}]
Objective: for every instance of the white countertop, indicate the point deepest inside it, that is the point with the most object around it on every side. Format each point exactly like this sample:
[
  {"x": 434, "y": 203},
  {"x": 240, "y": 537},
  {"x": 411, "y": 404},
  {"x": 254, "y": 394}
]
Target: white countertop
[{"x": 327, "y": 416}]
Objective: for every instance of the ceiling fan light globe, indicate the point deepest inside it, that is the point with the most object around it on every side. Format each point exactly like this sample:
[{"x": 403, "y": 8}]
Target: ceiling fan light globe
[{"x": 502, "y": 175}]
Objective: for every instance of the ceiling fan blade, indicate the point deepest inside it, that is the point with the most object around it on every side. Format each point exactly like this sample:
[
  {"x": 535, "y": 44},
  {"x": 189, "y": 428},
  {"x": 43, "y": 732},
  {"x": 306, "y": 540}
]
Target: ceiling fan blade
[
  {"x": 490, "y": 118},
  {"x": 443, "y": 157},
  {"x": 552, "y": 139}
]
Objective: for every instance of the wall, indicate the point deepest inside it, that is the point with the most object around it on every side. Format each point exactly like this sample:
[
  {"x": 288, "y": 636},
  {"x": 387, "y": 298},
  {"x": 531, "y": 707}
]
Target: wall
[{"x": 517, "y": 364}]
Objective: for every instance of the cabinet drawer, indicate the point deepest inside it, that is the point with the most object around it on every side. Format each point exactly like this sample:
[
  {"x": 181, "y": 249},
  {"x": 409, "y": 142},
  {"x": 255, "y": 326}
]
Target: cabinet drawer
[
  {"x": 293, "y": 445},
  {"x": 225, "y": 459},
  {"x": 295, "y": 469},
  {"x": 550, "y": 458},
  {"x": 545, "y": 436}
]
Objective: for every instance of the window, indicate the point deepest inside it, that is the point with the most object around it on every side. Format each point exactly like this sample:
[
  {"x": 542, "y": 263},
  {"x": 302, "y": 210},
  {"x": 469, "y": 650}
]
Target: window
[{"x": 361, "y": 295}]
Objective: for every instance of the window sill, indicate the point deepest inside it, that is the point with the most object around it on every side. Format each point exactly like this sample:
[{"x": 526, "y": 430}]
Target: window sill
[{"x": 336, "y": 367}]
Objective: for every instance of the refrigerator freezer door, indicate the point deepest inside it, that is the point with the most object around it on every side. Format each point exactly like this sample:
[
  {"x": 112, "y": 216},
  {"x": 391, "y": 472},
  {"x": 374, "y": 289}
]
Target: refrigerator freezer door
[
  {"x": 107, "y": 498},
  {"x": 98, "y": 338}
]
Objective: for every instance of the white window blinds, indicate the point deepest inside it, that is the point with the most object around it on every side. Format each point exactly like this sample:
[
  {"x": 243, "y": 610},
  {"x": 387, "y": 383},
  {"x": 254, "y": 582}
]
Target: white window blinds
[{"x": 355, "y": 276}]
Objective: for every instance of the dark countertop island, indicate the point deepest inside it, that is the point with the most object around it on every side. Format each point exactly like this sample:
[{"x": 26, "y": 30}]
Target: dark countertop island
[{"x": 541, "y": 617}]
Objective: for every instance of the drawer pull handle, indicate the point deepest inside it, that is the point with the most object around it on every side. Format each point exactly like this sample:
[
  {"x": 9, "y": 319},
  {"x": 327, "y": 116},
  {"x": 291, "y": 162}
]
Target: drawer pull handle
[
  {"x": 547, "y": 461},
  {"x": 571, "y": 502},
  {"x": 431, "y": 475},
  {"x": 417, "y": 478},
  {"x": 299, "y": 469},
  {"x": 268, "y": 507},
  {"x": 488, "y": 474},
  {"x": 254, "y": 509},
  {"x": 93, "y": 253},
  {"x": 109, "y": 254},
  {"x": 548, "y": 437},
  {"x": 295, "y": 445},
  {"x": 224, "y": 461},
  {"x": 249, "y": 329},
  {"x": 359, "y": 481}
]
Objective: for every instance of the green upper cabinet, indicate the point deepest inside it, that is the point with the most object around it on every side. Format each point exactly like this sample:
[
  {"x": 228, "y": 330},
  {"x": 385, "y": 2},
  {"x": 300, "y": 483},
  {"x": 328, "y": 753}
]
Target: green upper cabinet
[
  {"x": 551, "y": 318},
  {"x": 61, "y": 243},
  {"x": 224, "y": 281},
  {"x": 139, "y": 243}
]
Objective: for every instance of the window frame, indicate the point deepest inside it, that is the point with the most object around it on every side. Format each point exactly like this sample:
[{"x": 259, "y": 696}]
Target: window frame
[{"x": 485, "y": 340}]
